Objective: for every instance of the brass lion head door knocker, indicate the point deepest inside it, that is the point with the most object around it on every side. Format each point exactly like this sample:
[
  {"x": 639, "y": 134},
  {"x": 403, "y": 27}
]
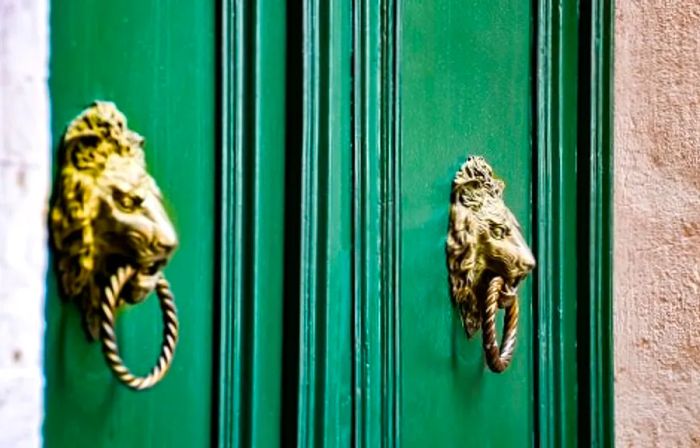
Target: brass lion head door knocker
[
  {"x": 487, "y": 258},
  {"x": 111, "y": 233}
]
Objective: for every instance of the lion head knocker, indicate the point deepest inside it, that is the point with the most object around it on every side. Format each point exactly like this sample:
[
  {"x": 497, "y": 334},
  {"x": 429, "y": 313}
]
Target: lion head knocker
[
  {"x": 487, "y": 258},
  {"x": 110, "y": 230}
]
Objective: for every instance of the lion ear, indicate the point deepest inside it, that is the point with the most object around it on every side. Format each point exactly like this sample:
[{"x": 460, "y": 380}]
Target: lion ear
[
  {"x": 471, "y": 194},
  {"x": 498, "y": 187},
  {"x": 81, "y": 149}
]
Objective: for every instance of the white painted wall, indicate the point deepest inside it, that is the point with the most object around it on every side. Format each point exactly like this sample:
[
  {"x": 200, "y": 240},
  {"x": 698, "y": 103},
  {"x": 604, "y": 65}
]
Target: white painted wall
[{"x": 24, "y": 186}]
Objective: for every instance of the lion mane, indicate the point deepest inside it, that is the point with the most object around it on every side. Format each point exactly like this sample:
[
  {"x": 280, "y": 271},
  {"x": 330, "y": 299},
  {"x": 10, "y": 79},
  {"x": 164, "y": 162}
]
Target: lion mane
[{"x": 87, "y": 143}]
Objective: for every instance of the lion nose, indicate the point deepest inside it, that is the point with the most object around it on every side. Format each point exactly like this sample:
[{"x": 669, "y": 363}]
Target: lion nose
[
  {"x": 167, "y": 240},
  {"x": 167, "y": 247},
  {"x": 164, "y": 235},
  {"x": 528, "y": 262}
]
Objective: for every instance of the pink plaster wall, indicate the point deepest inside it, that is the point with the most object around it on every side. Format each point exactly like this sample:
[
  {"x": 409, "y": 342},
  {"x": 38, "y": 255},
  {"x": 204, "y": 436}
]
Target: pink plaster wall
[{"x": 657, "y": 223}]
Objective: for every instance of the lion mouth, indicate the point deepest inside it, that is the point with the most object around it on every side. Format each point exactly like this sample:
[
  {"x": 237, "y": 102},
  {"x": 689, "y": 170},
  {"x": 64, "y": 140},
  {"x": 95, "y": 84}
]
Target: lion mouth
[
  {"x": 510, "y": 283},
  {"x": 148, "y": 272},
  {"x": 152, "y": 267},
  {"x": 510, "y": 287},
  {"x": 509, "y": 290}
]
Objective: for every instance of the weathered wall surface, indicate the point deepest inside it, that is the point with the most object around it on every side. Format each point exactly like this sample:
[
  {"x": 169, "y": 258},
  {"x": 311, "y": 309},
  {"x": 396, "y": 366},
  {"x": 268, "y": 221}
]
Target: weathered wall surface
[
  {"x": 657, "y": 223},
  {"x": 24, "y": 161}
]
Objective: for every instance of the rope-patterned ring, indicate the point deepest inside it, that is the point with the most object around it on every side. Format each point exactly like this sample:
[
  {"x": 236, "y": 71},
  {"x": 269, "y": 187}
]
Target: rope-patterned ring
[
  {"x": 109, "y": 339},
  {"x": 497, "y": 358}
]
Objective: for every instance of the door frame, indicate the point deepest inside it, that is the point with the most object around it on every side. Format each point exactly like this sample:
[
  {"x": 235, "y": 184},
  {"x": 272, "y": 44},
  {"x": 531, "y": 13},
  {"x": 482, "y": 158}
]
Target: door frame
[{"x": 573, "y": 166}]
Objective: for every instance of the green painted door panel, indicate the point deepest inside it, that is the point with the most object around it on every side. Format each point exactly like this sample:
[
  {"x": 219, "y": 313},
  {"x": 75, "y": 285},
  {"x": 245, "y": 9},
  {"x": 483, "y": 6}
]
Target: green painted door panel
[
  {"x": 351, "y": 119},
  {"x": 157, "y": 61},
  {"x": 465, "y": 89}
]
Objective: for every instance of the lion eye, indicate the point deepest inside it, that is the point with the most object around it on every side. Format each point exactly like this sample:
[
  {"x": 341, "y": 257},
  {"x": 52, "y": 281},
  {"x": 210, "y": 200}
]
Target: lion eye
[
  {"x": 126, "y": 202},
  {"x": 498, "y": 232}
]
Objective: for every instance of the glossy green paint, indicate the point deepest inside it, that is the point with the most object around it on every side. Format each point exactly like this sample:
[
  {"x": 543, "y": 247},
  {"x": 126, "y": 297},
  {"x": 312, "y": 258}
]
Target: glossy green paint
[
  {"x": 367, "y": 226},
  {"x": 597, "y": 138},
  {"x": 424, "y": 74},
  {"x": 574, "y": 191},
  {"x": 376, "y": 224},
  {"x": 156, "y": 60},
  {"x": 557, "y": 231},
  {"x": 347, "y": 327},
  {"x": 252, "y": 231},
  {"x": 465, "y": 88},
  {"x": 324, "y": 403},
  {"x": 322, "y": 311}
]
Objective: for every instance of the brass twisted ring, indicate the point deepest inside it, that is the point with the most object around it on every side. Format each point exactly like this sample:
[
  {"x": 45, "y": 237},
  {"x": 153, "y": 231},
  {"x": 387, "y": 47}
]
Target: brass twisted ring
[
  {"x": 497, "y": 358},
  {"x": 109, "y": 339}
]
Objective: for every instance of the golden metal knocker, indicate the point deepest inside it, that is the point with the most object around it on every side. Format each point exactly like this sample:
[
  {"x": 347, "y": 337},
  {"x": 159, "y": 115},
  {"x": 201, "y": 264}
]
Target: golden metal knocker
[
  {"x": 111, "y": 233},
  {"x": 487, "y": 258}
]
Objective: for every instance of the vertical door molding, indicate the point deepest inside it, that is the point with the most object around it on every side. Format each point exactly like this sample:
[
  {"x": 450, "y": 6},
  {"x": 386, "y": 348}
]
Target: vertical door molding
[
  {"x": 574, "y": 222},
  {"x": 376, "y": 224},
  {"x": 556, "y": 226},
  {"x": 596, "y": 171},
  {"x": 251, "y": 222},
  {"x": 324, "y": 408},
  {"x": 350, "y": 226}
]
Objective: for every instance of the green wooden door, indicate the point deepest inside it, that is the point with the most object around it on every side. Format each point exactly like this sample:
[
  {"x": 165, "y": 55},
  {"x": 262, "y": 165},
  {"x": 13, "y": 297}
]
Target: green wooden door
[
  {"x": 391, "y": 98},
  {"x": 465, "y": 89},
  {"x": 306, "y": 153},
  {"x": 156, "y": 61}
]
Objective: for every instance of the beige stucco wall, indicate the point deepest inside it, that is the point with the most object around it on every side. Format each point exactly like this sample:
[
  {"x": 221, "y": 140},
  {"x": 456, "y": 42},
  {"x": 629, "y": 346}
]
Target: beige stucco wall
[{"x": 657, "y": 223}]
